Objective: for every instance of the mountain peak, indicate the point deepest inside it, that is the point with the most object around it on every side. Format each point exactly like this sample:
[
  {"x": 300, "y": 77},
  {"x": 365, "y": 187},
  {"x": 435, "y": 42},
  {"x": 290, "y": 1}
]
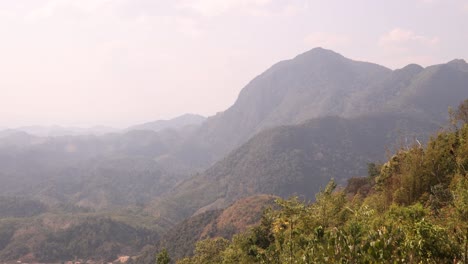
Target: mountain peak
[
  {"x": 412, "y": 68},
  {"x": 459, "y": 64},
  {"x": 320, "y": 52},
  {"x": 457, "y": 61}
]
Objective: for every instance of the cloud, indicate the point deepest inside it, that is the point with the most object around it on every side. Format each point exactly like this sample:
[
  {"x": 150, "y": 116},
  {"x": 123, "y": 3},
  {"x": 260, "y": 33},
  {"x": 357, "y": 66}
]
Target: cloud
[
  {"x": 7, "y": 14},
  {"x": 45, "y": 11},
  {"x": 428, "y": 1},
  {"x": 51, "y": 7},
  {"x": 218, "y": 7},
  {"x": 284, "y": 11},
  {"x": 403, "y": 40},
  {"x": 326, "y": 39}
]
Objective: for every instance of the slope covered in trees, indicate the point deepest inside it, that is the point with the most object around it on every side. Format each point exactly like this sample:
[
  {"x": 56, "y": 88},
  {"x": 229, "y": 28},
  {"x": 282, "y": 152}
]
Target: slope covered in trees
[
  {"x": 291, "y": 160},
  {"x": 411, "y": 209},
  {"x": 179, "y": 241}
]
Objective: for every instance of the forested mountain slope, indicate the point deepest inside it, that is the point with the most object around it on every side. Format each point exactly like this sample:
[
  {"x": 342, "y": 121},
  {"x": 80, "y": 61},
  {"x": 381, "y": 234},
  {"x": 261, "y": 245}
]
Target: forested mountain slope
[{"x": 297, "y": 159}]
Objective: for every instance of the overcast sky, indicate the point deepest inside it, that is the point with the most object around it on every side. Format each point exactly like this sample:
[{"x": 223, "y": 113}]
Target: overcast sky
[{"x": 120, "y": 62}]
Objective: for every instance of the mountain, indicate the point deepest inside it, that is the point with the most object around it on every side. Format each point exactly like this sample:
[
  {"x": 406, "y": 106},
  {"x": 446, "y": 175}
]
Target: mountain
[
  {"x": 92, "y": 170},
  {"x": 434, "y": 89},
  {"x": 317, "y": 83},
  {"x": 297, "y": 159},
  {"x": 320, "y": 83},
  {"x": 175, "y": 123}
]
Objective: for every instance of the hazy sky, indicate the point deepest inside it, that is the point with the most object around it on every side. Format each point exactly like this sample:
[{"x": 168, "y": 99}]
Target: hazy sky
[{"x": 120, "y": 62}]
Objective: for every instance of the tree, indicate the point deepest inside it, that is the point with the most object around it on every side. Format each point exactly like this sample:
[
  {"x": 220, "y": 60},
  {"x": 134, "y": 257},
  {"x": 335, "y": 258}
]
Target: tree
[
  {"x": 462, "y": 112},
  {"x": 163, "y": 257}
]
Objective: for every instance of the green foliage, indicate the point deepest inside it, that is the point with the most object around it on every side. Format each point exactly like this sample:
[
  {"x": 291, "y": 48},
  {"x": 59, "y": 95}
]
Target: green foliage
[
  {"x": 163, "y": 257},
  {"x": 461, "y": 114},
  {"x": 373, "y": 169},
  {"x": 208, "y": 251}
]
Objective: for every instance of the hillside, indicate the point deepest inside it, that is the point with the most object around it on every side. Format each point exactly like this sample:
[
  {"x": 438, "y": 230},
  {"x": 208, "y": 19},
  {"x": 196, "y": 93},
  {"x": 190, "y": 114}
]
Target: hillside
[
  {"x": 298, "y": 159},
  {"x": 180, "y": 240}
]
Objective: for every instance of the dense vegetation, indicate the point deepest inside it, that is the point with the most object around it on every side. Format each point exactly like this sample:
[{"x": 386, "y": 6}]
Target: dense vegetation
[
  {"x": 290, "y": 160},
  {"x": 411, "y": 209}
]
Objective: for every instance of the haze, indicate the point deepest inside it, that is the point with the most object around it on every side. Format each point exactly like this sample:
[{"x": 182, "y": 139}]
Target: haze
[{"x": 122, "y": 62}]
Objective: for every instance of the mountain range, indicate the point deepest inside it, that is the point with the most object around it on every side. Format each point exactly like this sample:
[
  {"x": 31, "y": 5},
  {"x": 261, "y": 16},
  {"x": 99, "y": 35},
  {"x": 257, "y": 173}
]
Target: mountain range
[
  {"x": 293, "y": 127},
  {"x": 184, "y": 121}
]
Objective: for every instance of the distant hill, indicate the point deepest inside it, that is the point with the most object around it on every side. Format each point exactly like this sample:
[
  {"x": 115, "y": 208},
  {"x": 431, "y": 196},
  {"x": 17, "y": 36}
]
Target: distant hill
[
  {"x": 175, "y": 123},
  {"x": 297, "y": 159}
]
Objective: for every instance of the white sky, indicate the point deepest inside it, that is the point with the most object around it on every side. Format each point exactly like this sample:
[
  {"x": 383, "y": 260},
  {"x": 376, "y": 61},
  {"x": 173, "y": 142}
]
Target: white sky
[{"x": 121, "y": 62}]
